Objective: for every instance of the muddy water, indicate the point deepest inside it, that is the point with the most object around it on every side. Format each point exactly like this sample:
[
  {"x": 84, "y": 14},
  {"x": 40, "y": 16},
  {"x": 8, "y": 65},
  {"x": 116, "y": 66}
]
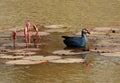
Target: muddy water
[
  {"x": 103, "y": 69},
  {"x": 76, "y": 14},
  {"x": 73, "y": 13}
]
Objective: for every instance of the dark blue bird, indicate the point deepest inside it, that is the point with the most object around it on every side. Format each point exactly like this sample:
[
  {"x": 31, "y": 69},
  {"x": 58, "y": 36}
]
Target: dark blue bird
[{"x": 77, "y": 41}]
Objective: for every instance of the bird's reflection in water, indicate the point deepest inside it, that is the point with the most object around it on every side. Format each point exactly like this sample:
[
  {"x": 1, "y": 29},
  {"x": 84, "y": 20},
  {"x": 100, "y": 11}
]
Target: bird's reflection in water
[
  {"x": 84, "y": 56},
  {"x": 87, "y": 62},
  {"x": 74, "y": 49},
  {"x": 77, "y": 49}
]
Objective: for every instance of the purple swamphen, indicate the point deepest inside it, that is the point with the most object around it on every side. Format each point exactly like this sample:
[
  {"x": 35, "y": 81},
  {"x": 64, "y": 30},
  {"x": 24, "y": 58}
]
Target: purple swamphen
[{"x": 79, "y": 42}]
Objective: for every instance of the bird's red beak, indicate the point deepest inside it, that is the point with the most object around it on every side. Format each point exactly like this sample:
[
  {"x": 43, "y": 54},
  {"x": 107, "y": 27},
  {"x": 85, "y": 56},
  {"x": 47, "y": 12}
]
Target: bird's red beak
[{"x": 88, "y": 30}]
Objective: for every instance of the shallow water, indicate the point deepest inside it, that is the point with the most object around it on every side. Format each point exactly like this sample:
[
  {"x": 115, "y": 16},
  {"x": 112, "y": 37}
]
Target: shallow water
[
  {"x": 102, "y": 70},
  {"x": 75, "y": 14}
]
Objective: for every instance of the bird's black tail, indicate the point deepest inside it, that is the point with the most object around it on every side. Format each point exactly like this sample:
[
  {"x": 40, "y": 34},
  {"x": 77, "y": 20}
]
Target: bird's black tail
[
  {"x": 66, "y": 37},
  {"x": 63, "y": 36}
]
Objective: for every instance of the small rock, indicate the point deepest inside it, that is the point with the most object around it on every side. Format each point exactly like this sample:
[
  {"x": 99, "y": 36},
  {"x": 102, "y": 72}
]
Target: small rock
[{"x": 113, "y": 31}]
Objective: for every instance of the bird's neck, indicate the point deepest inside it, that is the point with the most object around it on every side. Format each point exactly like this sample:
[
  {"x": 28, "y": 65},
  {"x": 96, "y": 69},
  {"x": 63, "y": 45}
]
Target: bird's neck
[{"x": 85, "y": 37}]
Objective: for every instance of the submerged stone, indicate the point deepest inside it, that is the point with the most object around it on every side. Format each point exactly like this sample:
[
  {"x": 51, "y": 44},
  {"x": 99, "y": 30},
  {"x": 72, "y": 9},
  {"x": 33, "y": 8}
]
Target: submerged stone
[
  {"x": 23, "y": 62},
  {"x": 34, "y": 58},
  {"x": 33, "y": 33},
  {"x": 68, "y": 60},
  {"x": 54, "y": 26},
  {"x": 101, "y": 51},
  {"x": 24, "y": 53},
  {"x": 31, "y": 49},
  {"x": 16, "y": 51},
  {"x": 67, "y": 52},
  {"x": 56, "y": 30},
  {"x": 116, "y": 54},
  {"x": 52, "y": 57},
  {"x": 43, "y": 33},
  {"x": 102, "y": 28},
  {"x": 29, "y": 60},
  {"x": 4, "y": 51},
  {"x": 44, "y": 58},
  {"x": 11, "y": 57},
  {"x": 17, "y": 45}
]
